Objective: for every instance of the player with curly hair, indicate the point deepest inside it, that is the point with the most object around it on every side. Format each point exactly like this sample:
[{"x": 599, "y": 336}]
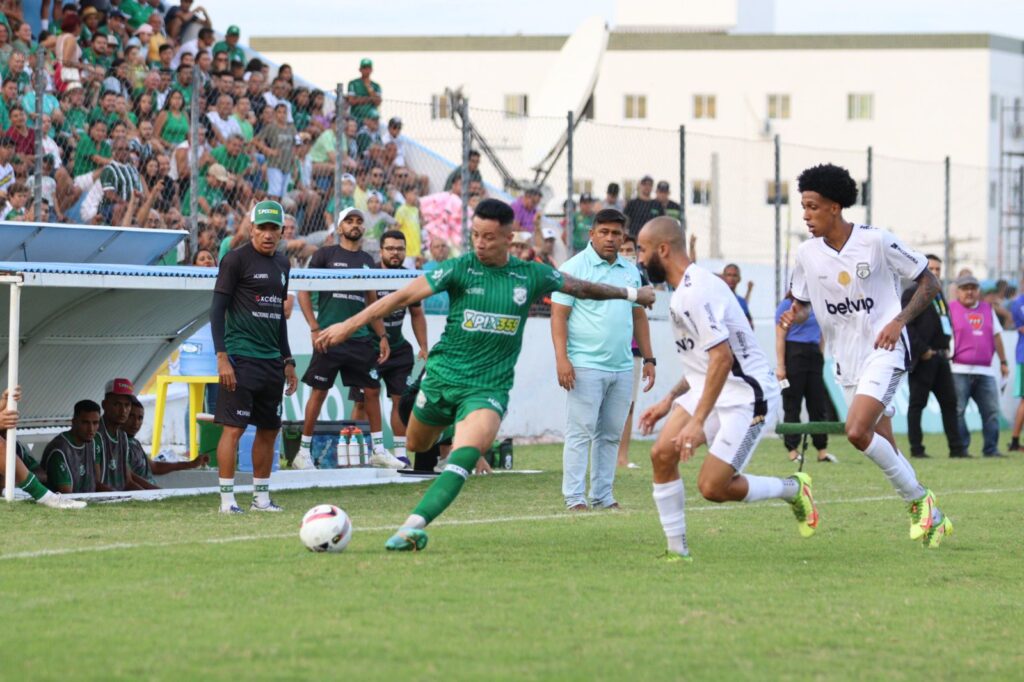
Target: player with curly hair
[{"x": 851, "y": 275}]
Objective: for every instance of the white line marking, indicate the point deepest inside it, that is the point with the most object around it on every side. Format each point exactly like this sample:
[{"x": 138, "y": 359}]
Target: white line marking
[{"x": 463, "y": 522}]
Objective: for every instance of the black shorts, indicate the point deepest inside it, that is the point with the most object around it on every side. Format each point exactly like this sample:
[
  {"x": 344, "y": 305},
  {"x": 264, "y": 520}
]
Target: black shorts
[
  {"x": 257, "y": 396},
  {"x": 395, "y": 373},
  {"x": 353, "y": 360}
]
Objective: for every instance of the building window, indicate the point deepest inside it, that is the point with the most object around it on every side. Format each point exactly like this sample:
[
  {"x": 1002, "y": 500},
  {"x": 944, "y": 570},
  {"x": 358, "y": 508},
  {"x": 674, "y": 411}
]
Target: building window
[
  {"x": 581, "y": 186},
  {"x": 628, "y": 189},
  {"x": 636, "y": 106},
  {"x": 516, "y": 106},
  {"x": 701, "y": 195},
  {"x": 770, "y": 193},
  {"x": 440, "y": 106},
  {"x": 778, "y": 106},
  {"x": 704, "y": 106},
  {"x": 860, "y": 106}
]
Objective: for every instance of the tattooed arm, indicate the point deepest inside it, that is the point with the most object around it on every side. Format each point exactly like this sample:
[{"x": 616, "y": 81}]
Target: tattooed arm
[
  {"x": 927, "y": 288},
  {"x": 581, "y": 288}
]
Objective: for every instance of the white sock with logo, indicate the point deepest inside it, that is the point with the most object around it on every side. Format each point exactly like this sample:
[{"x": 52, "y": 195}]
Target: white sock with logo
[
  {"x": 895, "y": 467},
  {"x": 306, "y": 442},
  {"x": 399, "y": 446},
  {"x": 378, "y": 439},
  {"x": 261, "y": 491},
  {"x": 670, "y": 499},
  {"x": 227, "y": 493},
  {"x": 770, "y": 488}
]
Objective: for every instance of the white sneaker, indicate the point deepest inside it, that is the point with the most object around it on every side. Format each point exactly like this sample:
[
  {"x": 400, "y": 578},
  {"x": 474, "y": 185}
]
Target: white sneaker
[
  {"x": 382, "y": 459},
  {"x": 58, "y": 501},
  {"x": 303, "y": 460},
  {"x": 441, "y": 464}
]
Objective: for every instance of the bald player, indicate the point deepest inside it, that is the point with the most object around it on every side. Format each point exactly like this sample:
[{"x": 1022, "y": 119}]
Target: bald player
[{"x": 727, "y": 398}]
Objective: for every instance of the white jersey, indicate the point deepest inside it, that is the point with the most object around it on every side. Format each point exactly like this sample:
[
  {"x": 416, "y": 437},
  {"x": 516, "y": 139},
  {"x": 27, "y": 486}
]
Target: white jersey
[
  {"x": 855, "y": 292},
  {"x": 705, "y": 313}
]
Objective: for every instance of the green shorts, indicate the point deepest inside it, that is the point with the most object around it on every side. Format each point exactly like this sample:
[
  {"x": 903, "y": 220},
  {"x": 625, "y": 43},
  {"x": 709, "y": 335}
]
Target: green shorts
[
  {"x": 1019, "y": 383},
  {"x": 440, "y": 404}
]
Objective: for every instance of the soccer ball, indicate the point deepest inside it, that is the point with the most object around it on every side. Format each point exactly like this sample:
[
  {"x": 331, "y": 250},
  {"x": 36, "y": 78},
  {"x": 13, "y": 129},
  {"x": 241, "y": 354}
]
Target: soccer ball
[{"x": 325, "y": 528}]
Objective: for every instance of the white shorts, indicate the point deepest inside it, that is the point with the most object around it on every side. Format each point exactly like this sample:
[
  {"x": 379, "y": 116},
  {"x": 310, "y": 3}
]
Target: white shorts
[
  {"x": 733, "y": 431},
  {"x": 880, "y": 377}
]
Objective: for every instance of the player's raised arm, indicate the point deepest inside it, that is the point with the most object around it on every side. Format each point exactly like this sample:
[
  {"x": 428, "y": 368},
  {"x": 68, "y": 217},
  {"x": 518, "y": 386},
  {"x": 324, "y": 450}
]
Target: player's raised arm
[
  {"x": 413, "y": 292},
  {"x": 581, "y": 288}
]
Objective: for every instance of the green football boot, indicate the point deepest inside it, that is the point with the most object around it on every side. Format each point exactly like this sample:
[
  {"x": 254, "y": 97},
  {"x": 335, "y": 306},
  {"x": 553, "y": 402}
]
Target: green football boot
[
  {"x": 804, "y": 510},
  {"x": 937, "y": 532},
  {"x": 922, "y": 511},
  {"x": 407, "y": 540}
]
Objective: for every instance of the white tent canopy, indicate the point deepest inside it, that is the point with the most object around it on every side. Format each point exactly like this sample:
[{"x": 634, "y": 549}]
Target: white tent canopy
[{"x": 78, "y": 326}]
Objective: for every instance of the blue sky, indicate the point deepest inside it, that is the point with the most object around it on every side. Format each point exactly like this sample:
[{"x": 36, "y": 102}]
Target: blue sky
[{"x": 459, "y": 17}]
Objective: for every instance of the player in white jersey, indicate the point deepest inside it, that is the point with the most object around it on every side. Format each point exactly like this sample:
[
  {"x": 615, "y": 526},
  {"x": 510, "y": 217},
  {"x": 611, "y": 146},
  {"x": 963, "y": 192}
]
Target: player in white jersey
[
  {"x": 728, "y": 397},
  {"x": 850, "y": 274}
]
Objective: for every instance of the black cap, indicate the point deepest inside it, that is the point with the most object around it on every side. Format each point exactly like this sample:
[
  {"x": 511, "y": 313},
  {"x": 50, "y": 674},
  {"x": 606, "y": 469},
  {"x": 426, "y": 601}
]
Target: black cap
[
  {"x": 646, "y": 178},
  {"x": 585, "y": 197},
  {"x": 663, "y": 186}
]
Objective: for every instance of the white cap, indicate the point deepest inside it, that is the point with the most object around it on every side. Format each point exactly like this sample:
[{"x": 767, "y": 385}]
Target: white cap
[
  {"x": 549, "y": 233},
  {"x": 352, "y": 210}
]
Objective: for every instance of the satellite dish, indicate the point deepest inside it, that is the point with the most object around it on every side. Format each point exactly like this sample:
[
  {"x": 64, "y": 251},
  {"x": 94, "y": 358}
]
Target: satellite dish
[{"x": 569, "y": 84}]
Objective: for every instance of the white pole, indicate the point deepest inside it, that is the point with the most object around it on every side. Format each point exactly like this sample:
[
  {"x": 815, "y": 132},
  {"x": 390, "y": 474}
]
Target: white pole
[{"x": 14, "y": 332}]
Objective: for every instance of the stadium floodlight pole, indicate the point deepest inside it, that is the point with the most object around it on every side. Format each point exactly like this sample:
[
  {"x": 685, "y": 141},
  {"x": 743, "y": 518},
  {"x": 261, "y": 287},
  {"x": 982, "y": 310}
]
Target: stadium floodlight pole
[
  {"x": 39, "y": 81},
  {"x": 570, "y": 203},
  {"x": 946, "y": 245},
  {"x": 14, "y": 332},
  {"x": 869, "y": 186},
  {"x": 193, "y": 163},
  {"x": 467, "y": 141},
  {"x": 778, "y": 221},
  {"x": 340, "y": 147},
  {"x": 682, "y": 178}
]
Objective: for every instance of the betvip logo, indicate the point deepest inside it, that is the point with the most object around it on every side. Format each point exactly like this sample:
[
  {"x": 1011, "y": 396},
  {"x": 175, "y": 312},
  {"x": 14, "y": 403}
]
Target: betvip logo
[{"x": 847, "y": 306}]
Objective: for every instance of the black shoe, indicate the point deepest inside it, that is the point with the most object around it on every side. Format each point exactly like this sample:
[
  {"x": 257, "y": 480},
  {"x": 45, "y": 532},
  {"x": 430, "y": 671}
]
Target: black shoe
[
  {"x": 963, "y": 454},
  {"x": 1014, "y": 446},
  {"x": 920, "y": 455}
]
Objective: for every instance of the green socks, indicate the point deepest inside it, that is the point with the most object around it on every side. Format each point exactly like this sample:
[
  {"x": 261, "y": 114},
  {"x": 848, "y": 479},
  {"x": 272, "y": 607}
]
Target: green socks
[
  {"x": 446, "y": 488},
  {"x": 33, "y": 487}
]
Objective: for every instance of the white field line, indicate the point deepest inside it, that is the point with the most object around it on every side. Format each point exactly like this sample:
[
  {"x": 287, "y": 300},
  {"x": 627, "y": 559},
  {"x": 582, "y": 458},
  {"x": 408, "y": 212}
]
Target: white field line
[{"x": 463, "y": 522}]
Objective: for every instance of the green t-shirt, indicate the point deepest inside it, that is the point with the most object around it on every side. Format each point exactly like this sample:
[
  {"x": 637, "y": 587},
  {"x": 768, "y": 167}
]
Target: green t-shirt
[
  {"x": 69, "y": 463},
  {"x": 338, "y": 306},
  {"x": 84, "y": 152},
  {"x": 324, "y": 145},
  {"x": 214, "y": 197},
  {"x": 89, "y": 56},
  {"x": 247, "y": 129},
  {"x": 258, "y": 286},
  {"x": 235, "y": 54},
  {"x": 487, "y": 313},
  {"x": 97, "y": 115},
  {"x": 581, "y": 225},
  {"x": 346, "y": 202},
  {"x": 112, "y": 457},
  {"x": 358, "y": 88},
  {"x": 234, "y": 164},
  {"x": 76, "y": 122}
]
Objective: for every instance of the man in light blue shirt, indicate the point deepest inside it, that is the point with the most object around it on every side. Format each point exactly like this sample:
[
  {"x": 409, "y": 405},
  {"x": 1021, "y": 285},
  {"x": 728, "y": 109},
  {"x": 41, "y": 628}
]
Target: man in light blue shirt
[{"x": 594, "y": 361}]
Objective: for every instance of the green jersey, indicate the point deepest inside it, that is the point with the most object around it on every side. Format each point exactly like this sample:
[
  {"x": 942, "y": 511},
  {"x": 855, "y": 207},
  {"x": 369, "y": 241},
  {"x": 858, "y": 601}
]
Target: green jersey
[
  {"x": 258, "y": 286},
  {"x": 488, "y": 308},
  {"x": 581, "y": 225},
  {"x": 70, "y": 463},
  {"x": 138, "y": 461},
  {"x": 338, "y": 306},
  {"x": 358, "y": 88}
]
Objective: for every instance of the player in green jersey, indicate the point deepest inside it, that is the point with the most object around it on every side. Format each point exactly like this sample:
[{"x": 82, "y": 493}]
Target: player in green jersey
[{"x": 471, "y": 369}]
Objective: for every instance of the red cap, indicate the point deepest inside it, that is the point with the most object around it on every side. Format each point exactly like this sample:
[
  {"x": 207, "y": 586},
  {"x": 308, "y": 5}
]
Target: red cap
[{"x": 120, "y": 387}]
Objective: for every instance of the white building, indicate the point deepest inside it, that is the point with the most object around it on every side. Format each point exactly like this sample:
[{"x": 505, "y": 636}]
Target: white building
[{"x": 915, "y": 99}]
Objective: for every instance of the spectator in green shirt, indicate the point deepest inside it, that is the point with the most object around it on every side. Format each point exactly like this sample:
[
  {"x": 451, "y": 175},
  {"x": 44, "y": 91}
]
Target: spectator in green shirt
[
  {"x": 232, "y": 156},
  {"x": 8, "y": 99},
  {"x": 363, "y": 94},
  {"x": 93, "y": 150},
  {"x": 14, "y": 69},
  {"x": 230, "y": 45},
  {"x": 243, "y": 114},
  {"x": 211, "y": 194},
  {"x": 98, "y": 52},
  {"x": 474, "y": 171}
]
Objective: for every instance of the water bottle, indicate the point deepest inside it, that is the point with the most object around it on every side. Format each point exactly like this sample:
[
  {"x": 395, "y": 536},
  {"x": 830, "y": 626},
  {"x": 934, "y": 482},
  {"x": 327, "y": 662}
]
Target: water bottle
[
  {"x": 357, "y": 454},
  {"x": 342, "y": 449}
]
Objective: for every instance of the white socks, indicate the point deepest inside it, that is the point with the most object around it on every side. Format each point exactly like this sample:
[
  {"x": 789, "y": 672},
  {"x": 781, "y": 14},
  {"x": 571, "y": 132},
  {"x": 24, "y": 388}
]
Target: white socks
[
  {"x": 399, "y": 446},
  {"x": 261, "y": 491},
  {"x": 415, "y": 521},
  {"x": 377, "y": 438},
  {"x": 895, "y": 467},
  {"x": 770, "y": 488},
  {"x": 670, "y": 499},
  {"x": 306, "y": 442},
  {"x": 227, "y": 493}
]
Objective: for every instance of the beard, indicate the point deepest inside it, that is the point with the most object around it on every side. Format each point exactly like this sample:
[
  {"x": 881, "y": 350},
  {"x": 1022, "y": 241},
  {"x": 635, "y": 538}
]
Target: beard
[
  {"x": 655, "y": 269},
  {"x": 353, "y": 234}
]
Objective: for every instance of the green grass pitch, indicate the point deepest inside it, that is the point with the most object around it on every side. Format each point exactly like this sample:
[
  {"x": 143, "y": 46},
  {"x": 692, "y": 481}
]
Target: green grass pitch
[{"x": 513, "y": 587}]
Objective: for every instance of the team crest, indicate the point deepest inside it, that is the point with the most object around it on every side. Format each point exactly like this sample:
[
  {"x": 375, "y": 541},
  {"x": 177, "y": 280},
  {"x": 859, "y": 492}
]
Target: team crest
[
  {"x": 863, "y": 270},
  {"x": 519, "y": 295},
  {"x": 283, "y": 281},
  {"x": 843, "y": 278},
  {"x": 975, "y": 321}
]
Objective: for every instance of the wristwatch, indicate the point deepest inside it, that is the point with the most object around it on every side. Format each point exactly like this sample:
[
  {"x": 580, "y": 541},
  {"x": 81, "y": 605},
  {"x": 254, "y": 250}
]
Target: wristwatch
[
  {"x": 651, "y": 361},
  {"x": 289, "y": 361}
]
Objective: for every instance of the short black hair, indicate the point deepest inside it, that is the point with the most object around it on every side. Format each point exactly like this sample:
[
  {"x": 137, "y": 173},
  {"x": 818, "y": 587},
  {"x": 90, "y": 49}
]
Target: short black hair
[
  {"x": 629, "y": 239},
  {"x": 205, "y": 33},
  {"x": 932, "y": 256},
  {"x": 137, "y": 403},
  {"x": 613, "y": 188},
  {"x": 392, "y": 234},
  {"x": 473, "y": 152},
  {"x": 610, "y": 215},
  {"x": 495, "y": 209},
  {"x": 85, "y": 406},
  {"x": 831, "y": 182}
]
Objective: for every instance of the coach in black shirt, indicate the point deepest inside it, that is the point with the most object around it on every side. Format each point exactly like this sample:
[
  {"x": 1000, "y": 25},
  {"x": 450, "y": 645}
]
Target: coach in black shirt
[{"x": 929, "y": 369}]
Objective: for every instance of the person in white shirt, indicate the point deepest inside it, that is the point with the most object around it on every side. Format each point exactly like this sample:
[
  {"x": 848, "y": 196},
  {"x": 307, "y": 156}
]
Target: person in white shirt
[
  {"x": 224, "y": 124},
  {"x": 851, "y": 275},
  {"x": 728, "y": 397}
]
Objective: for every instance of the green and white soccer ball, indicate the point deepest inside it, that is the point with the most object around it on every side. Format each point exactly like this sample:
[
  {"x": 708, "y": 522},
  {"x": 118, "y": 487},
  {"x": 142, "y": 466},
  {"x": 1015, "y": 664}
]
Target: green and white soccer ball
[{"x": 326, "y": 528}]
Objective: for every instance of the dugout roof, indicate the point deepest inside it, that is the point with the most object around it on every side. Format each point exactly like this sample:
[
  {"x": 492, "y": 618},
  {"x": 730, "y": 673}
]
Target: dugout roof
[
  {"x": 82, "y": 324},
  {"x": 49, "y": 243}
]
